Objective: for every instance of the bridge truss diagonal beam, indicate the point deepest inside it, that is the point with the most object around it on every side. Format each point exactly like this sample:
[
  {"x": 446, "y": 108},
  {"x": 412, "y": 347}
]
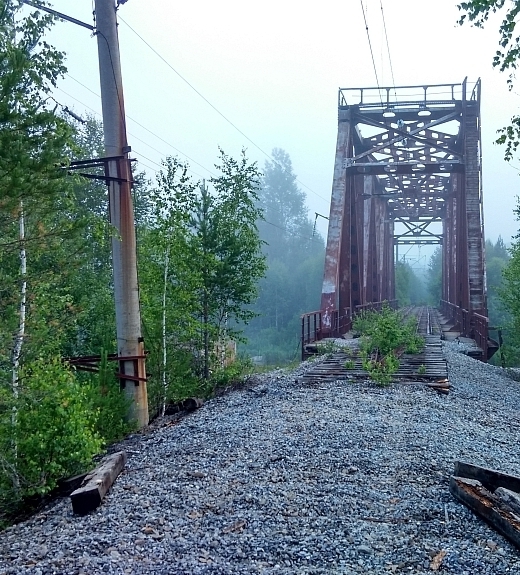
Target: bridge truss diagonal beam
[{"x": 407, "y": 171}]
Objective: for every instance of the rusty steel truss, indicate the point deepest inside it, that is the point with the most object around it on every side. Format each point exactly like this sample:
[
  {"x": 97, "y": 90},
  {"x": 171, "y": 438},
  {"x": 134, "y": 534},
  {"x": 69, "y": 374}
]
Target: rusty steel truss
[{"x": 407, "y": 171}]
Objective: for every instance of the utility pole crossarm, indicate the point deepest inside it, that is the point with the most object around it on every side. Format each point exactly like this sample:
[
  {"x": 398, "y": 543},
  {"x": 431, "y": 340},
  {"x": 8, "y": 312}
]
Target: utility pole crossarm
[{"x": 58, "y": 14}]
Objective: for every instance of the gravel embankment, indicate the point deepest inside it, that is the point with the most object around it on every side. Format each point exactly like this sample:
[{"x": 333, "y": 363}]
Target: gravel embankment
[{"x": 285, "y": 479}]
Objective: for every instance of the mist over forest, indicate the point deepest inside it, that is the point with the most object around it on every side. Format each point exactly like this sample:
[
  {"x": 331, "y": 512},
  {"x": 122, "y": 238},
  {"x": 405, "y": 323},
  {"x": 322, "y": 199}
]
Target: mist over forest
[{"x": 295, "y": 256}]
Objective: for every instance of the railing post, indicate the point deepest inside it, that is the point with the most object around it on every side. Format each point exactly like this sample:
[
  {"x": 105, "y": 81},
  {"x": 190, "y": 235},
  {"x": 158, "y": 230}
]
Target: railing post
[{"x": 303, "y": 338}]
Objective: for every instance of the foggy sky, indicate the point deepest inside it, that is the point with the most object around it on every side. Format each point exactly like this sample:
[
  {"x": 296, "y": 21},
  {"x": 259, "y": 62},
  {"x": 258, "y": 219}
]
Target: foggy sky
[{"x": 273, "y": 68}]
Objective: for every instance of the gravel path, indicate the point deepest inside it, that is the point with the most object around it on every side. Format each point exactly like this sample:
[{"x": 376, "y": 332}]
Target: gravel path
[{"x": 285, "y": 479}]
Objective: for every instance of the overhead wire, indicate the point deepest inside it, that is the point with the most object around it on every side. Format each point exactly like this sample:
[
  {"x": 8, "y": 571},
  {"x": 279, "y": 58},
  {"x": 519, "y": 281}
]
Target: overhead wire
[
  {"x": 148, "y": 130},
  {"x": 388, "y": 49},
  {"x": 269, "y": 156},
  {"x": 160, "y": 166},
  {"x": 137, "y": 138},
  {"x": 371, "y": 50}
]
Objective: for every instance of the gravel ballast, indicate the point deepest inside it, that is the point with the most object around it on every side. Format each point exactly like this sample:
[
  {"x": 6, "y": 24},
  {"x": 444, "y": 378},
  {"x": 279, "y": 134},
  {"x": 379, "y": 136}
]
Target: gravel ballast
[{"x": 284, "y": 478}]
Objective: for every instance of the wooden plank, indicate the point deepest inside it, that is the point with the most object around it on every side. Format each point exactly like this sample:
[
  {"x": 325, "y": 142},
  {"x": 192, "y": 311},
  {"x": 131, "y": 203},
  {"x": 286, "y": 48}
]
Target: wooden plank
[
  {"x": 490, "y": 478},
  {"x": 69, "y": 484},
  {"x": 475, "y": 496},
  {"x": 509, "y": 497},
  {"x": 97, "y": 483}
]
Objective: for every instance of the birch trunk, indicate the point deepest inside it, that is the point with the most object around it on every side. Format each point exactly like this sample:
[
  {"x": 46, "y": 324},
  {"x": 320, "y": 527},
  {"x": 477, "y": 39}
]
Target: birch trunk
[
  {"x": 18, "y": 343},
  {"x": 17, "y": 349},
  {"x": 165, "y": 357}
]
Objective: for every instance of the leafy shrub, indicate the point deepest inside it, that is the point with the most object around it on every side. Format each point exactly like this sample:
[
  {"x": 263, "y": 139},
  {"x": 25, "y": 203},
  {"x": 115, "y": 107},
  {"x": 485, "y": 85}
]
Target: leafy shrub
[
  {"x": 381, "y": 370},
  {"x": 108, "y": 405},
  {"x": 384, "y": 337},
  {"x": 327, "y": 347},
  {"x": 231, "y": 374},
  {"x": 47, "y": 432}
]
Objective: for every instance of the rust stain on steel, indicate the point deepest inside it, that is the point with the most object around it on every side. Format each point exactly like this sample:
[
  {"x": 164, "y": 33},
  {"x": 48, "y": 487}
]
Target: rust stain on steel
[{"x": 330, "y": 295}]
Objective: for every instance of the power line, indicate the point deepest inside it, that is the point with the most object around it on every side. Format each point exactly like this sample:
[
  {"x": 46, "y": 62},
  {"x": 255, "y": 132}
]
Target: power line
[
  {"x": 288, "y": 232},
  {"x": 149, "y": 131},
  {"x": 388, "y": 48},
  {"x": 371, "y": 51},
  {"x": 214, "y": 107},
  {"x": 160, "y": 166},
  {"x": 133, "y": 136}
]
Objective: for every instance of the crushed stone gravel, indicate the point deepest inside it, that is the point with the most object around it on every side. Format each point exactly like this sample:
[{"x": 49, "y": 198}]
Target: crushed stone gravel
[{"x": 282, "y": 478}]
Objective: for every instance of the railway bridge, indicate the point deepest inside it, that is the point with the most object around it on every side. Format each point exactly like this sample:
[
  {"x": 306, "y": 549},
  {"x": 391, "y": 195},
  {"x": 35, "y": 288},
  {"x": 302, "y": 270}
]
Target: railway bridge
[{"x": 407, "y": 171}]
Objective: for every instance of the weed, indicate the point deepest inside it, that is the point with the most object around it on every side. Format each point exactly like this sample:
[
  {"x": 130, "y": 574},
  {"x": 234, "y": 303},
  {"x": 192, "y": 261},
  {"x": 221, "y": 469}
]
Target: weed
[
  {"x": 349, "y": 364},
  {"x": 382, "y": 369},
  {"x": 327, "y": 347},
  {"x": 384, "y": 337},
  {"x": 421, "y": 370}
]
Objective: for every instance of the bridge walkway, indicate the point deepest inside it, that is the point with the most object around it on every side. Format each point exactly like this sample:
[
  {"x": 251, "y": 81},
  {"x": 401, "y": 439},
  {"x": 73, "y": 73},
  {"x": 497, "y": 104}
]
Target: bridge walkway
[{"x": 343, "y": 361}]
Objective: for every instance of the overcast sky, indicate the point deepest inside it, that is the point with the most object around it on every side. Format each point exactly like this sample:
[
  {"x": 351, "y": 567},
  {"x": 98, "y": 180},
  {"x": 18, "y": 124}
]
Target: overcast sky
[{"x": 273, "y": 69}]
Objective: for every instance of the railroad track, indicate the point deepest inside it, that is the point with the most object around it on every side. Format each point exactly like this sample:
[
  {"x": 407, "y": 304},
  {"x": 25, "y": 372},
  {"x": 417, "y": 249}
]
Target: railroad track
[{"x": 425, "y": 368}]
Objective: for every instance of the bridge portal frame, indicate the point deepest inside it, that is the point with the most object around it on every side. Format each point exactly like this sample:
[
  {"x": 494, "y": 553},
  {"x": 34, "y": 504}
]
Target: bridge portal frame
[{"x": 407, "y": 159}]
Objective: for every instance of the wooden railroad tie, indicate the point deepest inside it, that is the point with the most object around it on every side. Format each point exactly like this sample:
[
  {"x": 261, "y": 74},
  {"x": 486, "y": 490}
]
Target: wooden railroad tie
[{"x": 97, "y": 483}]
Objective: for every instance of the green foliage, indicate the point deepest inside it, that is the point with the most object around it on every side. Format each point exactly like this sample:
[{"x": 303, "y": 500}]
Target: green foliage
[
  {"x": 107, "y": 403},
  {"x": 421, "y": 370},
  {"x": 388, "y": 332},
  {"x": 47, "y": 432},
  {"x": 409, "y": 288},
  {"x": 381, "y": 368},
  {"x": 232, "y": 374},
  {"x": 295, "y": 258},
  {"x": 385, "y": 336},
  {"x": 509, "y": 294},
  {"x": 327, "y": 347},
  {"x": 349, "y": 364},
  {"x": 497, "y": 259},
  {"x": 506, "y": 57},
  {"x": 434, "y": 276},
  {"x": 200, "y": 261},
  {"x": 47, "y": 420},
  {"x": 478, "y": 11}
]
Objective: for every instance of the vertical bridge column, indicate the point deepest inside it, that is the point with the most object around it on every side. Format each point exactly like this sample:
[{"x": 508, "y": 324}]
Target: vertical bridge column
[
  {"x": 337, "y": 221},
  {"x": 359, "y": 260}
]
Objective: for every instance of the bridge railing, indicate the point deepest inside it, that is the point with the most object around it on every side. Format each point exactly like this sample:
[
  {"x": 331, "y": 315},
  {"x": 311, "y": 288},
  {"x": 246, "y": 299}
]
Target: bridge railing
[
  {"x": 473, "y": 325},
  {"x": 460, "y": 316},
  {"x": 311, "y": 328},
  {"x": 481, "y": 331}
]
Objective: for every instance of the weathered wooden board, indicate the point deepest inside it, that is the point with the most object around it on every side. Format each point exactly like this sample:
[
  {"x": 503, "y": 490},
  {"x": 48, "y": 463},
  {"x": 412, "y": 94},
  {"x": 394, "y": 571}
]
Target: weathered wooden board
[
  {"x": 428, "y": 366},
  {"x": 511, "y": 498},
  {"x": 489, "y": 478},
  {"x": 475, "y": 496},
  {"x": 97, "y": 483}
]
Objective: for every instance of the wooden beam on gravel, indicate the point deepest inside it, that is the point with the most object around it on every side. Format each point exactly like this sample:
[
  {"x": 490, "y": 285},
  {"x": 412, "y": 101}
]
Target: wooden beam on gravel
[
  {"x": 97, "y": 483},
  {"x": 492, "y": 495},
  {"x": 485, "y": 504},
  {"x": 490, "y": 478}
]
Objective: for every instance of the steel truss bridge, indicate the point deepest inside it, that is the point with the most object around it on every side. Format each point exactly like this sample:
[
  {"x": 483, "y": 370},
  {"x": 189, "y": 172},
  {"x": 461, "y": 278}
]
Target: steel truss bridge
[{"x": 407, "y": 171}]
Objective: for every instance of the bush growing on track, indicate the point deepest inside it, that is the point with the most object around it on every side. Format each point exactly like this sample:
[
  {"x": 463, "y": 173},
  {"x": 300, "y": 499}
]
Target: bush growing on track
[{"x": 385, "y": 336}]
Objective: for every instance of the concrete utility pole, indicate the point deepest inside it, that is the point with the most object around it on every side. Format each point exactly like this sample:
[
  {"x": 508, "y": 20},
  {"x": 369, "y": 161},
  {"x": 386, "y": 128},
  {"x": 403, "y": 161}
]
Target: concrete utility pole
[{"x": 130, "y": 347}]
